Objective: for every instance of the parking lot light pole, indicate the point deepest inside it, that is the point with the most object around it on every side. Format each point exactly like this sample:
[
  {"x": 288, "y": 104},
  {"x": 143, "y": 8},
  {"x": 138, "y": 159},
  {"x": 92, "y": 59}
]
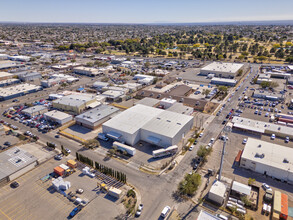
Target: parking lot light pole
[{"x": 226, "y": 130}]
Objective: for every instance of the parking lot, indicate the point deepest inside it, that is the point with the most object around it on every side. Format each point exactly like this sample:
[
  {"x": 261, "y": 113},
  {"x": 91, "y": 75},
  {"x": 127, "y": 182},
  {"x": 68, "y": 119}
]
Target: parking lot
[
  {"x": 36, "y": 198},
  {"x": 8, "y": 141}
]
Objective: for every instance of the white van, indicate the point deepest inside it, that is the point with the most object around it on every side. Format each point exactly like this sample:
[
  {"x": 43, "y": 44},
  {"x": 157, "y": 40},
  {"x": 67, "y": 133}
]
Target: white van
[{"x": 165, "y": 211}]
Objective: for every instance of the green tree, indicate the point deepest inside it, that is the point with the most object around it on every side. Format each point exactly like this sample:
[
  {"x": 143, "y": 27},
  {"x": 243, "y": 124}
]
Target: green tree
[{"x": 190, "y": 184}]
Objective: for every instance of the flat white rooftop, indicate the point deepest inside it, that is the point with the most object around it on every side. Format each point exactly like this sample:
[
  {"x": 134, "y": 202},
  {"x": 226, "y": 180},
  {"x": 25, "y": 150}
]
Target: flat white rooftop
[
  {"x": 269, "y": 154},
  {"x": 16, "y": 89},
  {"x": 167, "y": 123},
  {"x": 5, "y": 74},
  {"x": 261, "y": 126},
  {"x": 216, "y": 79},
  {"x": 133, "y": 119},
  {"x": 223, "y": 67},
  {"x": 74, "y": 100},
  {"x": 57, "y": 115}
]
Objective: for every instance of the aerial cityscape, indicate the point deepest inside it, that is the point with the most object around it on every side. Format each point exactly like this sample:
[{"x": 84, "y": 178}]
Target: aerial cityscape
[{"x": 146, "y": 110}]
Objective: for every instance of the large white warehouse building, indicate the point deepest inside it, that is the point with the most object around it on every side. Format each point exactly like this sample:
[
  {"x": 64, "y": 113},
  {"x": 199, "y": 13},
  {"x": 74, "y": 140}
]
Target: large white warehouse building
[
  {"x": 219, "y": 69},
  {"x": 153, "y": 125},
  {"x": 269, "y": 159}
]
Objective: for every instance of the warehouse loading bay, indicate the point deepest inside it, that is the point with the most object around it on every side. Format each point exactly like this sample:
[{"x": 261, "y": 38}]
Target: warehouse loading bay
[
  {"x": 143, "y": 155},
  {"x": 36, "y": 199}
]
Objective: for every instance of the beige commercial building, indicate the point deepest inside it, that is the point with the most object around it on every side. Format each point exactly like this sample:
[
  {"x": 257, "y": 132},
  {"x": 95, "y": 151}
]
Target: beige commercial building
[{"x": 74, "y": 103}]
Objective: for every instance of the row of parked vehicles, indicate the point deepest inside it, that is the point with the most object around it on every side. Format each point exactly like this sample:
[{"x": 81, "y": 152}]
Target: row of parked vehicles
[{"x": 38, "y": 121}]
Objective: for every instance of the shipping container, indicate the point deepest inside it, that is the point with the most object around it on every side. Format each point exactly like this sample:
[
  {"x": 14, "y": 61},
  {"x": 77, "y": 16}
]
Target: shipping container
[
  {"x": 59, "y": 171},
  {"x": 71, "y": 163}
]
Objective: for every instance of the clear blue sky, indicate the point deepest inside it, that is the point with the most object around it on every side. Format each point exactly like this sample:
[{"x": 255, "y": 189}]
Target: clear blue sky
[{"x": 144, "y": 11}]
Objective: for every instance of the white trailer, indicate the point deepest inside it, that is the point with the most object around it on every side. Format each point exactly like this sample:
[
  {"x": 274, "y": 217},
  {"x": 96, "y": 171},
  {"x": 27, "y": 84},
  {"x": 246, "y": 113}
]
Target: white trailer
[
  {"x": 124, "y": 147},
  {"x": 165, "y": 151}
]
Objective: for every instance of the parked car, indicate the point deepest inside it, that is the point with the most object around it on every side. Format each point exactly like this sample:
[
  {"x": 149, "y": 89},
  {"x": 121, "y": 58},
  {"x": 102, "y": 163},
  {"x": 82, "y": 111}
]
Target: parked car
[
  {"x": 200, "y": 135},
  {"x": 191, "y": 147},
  {"x": 195, "y": 167},
  {"x": 165, "y": 211},
  {"x": 273, "y": 136},
  {"x": 58, "y": 157},
  {"x": 139, "y": 210},
  {"x": 14, "y": 184},
  {"x": 75, "y": 211},
  {"x": 287, "y": 139},
  {"x": 266, "y": 186},
  {"x": 79, "y": 191},
  {"x": 244, "y": 141},
  {"x": 67, "y": 150}
]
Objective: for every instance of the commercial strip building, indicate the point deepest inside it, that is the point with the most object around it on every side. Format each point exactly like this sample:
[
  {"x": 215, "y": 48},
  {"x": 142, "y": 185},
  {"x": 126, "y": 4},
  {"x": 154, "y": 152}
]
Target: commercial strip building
[
  {"x": 35, "y": 110},
  {"x": 273, "y": 96},
  {"x": 20, "y": 58},
  {"x": 269, "y": 159},
  {"x": 29, "y": 76},
  {"x": 8, "y": 82},
  {"x": 88, "y": 71},
  {"x": 66, "y": 66},
  {"x": 153, "y": 125},
  {"x": 14, "y": 162},
  {"x": 8, "y": 64},
  {"x": 5, "y": 75},
  {"x": 219, "y": 69},
  {"x": 96, "y": 116},
  {"x": 60, "y": 118},
  {"x": 113, "y": 95},
  {"x": 260, "y": 127},
  {"x": 56, "y": 79},
  {"x": 74, "y": 103},
  {"x": 223, "y": 81},
  {"x": 18, "y": 90}
]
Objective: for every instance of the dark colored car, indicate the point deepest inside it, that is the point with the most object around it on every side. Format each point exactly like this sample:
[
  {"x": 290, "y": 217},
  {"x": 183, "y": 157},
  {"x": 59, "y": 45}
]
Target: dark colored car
[
  {"x": 75, "y": 211},
  {"x": 14, "y": 184}
]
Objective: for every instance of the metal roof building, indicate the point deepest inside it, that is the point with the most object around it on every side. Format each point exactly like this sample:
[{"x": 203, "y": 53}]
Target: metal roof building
[
  {"x": 227, "y": 70},
  {"x": 151, "y": 102},
  {"x": 35, "y": 110},
  {"x": 269, "y": 159},
  {"x": 15, "y": 162},
  {"x": 95, "y": 117},
  {"x": 262, "y": 127},
  {"x": 18, "y": 90},
  {"x": 181, "y": 109},
  {"x": 223, "y": 81},
  {"x": 155, "y": 126},
  {"x": 74, "y": 103},
  {"x": 58, "y": 117}
]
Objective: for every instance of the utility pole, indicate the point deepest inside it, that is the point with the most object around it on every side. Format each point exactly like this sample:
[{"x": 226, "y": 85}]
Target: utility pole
[{"x": 226, "y": 130}]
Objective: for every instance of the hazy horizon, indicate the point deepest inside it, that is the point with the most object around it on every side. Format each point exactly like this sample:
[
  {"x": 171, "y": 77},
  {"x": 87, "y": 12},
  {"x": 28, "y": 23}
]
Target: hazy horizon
[{"x": 144, "y": 12}]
